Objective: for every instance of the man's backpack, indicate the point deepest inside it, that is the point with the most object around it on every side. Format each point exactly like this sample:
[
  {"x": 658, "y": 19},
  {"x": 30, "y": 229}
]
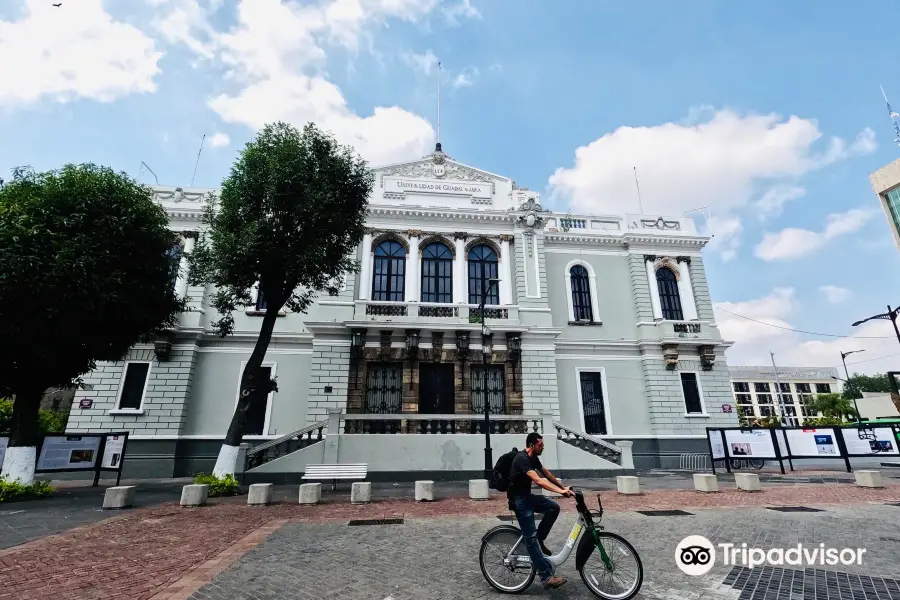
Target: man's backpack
[{"x": 500, "y": 479}]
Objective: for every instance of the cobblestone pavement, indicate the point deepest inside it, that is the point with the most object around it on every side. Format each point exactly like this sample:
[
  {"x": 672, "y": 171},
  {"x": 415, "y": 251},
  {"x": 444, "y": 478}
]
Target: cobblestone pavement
[
  {"x": 432, "y": 559},
  {"x": 166, "y": 552}
]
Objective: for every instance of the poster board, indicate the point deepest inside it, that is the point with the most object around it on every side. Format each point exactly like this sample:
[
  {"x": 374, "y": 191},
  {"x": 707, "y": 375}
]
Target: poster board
[
  {"x": 782, "y": 442},
  {"x": 715, "y": 443},
  {"x": 814, "y": 442},
  {"x": 884, "y": 440},
  {"x": 69, "y": 453},
  {"x": 755, "y": 443},
  {"x": 113, "y": 451},
  {"x": 4, "y": 442}
]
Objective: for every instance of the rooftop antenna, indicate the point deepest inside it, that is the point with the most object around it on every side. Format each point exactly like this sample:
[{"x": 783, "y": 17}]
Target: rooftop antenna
[
  {"x": 638, "y": 186},
  {"x": 438, "y": 146},
  {"x": 894, "y": 116},
  {"x": 198, "y": 159},
  {"x": 144, "y": 166}
]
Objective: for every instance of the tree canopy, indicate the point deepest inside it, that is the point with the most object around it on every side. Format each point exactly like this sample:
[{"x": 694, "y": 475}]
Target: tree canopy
[
  {"x": 86, "y": 270},
  {"x": 289, "y": 218},
  {"x": 866, "y": 383}
]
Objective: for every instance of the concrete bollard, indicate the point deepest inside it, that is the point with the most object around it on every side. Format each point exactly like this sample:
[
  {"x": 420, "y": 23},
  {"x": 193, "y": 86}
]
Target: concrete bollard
[
  {"x": 747, "y": 482},
  {"x": 706, "y": 482},
  {"x": 869, "y": 479},
  {"x": 194, "y": 494},
  {"x": 119, "y": 497},
  {"x": 628, "y": 484},
  {"x": 479, "y": 489},
  {"x": 260, "y": 494},
  {"x": 310, "y": 493},
  {"x": 424, "y": 491},
  {"x": 361, "y": 492}
]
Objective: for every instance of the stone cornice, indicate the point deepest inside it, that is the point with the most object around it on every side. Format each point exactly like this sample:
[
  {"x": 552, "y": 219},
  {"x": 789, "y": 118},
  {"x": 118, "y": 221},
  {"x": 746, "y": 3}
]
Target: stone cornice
[
  {"x": 625, "y": 240},
  {"x": 438, "y": 214}
]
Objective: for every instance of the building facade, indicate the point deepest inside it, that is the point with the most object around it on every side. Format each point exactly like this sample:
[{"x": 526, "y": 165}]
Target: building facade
[
  {"x": 755, "y": 390},
  {"x": 599, "y": 333},
  {"x": 886, "y": 185}
]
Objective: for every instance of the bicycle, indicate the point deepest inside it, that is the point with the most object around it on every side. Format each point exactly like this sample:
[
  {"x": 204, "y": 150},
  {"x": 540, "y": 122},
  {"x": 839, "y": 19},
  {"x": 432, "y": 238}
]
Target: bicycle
[
  {"x": 513, "y": 558},
  {"x": 755, "y": 463}
]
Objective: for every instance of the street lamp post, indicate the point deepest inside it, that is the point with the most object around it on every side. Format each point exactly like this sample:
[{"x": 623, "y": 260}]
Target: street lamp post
[
  {"x": 844, "y": 356},
  {"x": 485, "y": 350},
  {"x": 890, "y": 315}
]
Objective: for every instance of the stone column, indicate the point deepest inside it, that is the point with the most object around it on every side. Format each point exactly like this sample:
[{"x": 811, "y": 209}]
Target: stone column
[
  {"x": 686, "y": 290},
  {"x": 505, "y": 270},
  {"x": 365, "y": 275},
  {"x": 654, "y": 289},
  {"x": 181, "y": 285},
  {"x": 460, "y": 294},
  {"x": 412, "y": 267}
]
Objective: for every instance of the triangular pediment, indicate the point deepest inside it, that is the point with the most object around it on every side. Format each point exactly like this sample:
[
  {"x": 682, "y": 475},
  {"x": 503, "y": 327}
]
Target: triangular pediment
[{"x": 440, "y": 166}]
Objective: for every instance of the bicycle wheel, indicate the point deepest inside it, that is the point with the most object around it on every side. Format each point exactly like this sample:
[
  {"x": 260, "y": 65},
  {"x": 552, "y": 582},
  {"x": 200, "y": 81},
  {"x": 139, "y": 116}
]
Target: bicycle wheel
[
  {"x": 736, "y": 464},
  {"x": 757, "y": 463},
  {"x": 510, "y": 575},
  {"x": 624, "y": 580}
]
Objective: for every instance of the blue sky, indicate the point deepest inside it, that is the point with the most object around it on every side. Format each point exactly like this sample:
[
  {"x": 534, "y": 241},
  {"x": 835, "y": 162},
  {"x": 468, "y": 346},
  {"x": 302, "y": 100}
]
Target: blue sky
[{"x": 769, "y": 114}]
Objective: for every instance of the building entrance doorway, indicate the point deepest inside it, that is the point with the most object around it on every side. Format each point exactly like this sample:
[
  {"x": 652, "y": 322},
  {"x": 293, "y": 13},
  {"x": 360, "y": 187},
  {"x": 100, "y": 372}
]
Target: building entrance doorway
[{"x": 437, "y": 395}]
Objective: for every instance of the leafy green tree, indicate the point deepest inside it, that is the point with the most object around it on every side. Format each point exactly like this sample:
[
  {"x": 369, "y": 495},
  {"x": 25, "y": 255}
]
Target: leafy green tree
[
  {"x": 865, "y": 383},
  {"x": 289, "y": 218},
  {"x": 833, "y": 406},
  {"x": 86, "y": 271}
]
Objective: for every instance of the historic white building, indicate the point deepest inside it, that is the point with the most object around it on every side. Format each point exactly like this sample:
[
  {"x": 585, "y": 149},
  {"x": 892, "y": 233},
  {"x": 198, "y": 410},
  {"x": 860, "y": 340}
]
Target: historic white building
[{"x": 600, "y": 333}]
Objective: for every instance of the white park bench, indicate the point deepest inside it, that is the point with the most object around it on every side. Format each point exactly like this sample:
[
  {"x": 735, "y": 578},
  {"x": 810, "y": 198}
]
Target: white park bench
[{"x": 334, "y": 472}]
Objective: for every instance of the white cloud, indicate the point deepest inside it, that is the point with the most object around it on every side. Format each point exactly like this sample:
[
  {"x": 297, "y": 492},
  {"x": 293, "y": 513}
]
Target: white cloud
[
  {"x": 772, "y": 202},
  {"x": 754, "y": 340},
  {"x": 74, "y": 51},
  {"x": 726, "y": 236},
  {"x": 794, "y": 242},
  {"x": 715, "y": 158},
  {"x": 424, "y": 63},
  {"x": 835, "y": 294},
  {"x": 461, "y": 10},
  {"x": 274, "y": 58},
  {"x": 466, "y": 78},
  {"x": 219, "y": 140}
]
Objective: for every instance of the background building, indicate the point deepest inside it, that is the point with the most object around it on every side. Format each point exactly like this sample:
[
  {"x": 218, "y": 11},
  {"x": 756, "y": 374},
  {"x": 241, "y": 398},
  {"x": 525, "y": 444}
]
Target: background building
[
  {"x": 886, "y": 183},
  {"x": 755, "y": 388},
  {"x": 601, "y": 335}
]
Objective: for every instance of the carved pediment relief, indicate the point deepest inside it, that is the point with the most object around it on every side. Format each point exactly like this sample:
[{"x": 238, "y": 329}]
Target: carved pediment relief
[{"x": 428, "y": 169}]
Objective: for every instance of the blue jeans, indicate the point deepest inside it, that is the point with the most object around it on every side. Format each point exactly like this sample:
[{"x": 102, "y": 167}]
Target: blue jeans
[{"x": 525, "y": 507}]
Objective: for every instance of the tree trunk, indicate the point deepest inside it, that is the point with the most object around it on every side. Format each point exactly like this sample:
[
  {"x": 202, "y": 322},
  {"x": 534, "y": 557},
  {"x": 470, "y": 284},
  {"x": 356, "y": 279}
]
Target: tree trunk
[
  {"x": 252, "y": 390},
  {"x": 21, "y": 454}
]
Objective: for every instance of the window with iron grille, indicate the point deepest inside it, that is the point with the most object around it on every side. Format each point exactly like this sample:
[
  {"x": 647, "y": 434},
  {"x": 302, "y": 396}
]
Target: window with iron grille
[
  {"x": 823, "y": 388},
  {"x": 691, "y": 388},
  {"x": 785, "y": 388},
  {"x": 389, "y": 272},
  {"x": 581, "y": 294},
  {"x": 741, "y": 386},
  {"x": 260, "y": 300},
  {"x": 761, "y": 387},
  {"x": 483, "y": 263},
  {"x": 437, "y": 274},
  {"x": 803, "y": 388},
  {"x": 384, "y": 389},
  {"x": 488, "y": 382},
  {"x": 743, "y": 398},
  {"x": 669, "y": 299}
]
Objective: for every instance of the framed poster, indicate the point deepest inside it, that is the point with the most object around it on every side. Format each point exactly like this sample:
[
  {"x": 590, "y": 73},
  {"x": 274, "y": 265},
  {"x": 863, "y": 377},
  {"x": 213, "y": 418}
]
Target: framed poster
[
  {"x": 4, "y": 442},
  {"x": 69, "y": 452},
  {"x": 715, "y": 442},
  {"x": 756, "y": 443},
  {"x": 112, "y": 451},
  {"x": 884, "y": 442},
  {"x": 813, "y": 442}
]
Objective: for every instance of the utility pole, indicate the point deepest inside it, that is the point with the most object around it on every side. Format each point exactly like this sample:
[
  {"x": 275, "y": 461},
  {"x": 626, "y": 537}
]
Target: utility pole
[
  {"x": 778, "y": 388},
  {"x": 890, "y": 315},
  {"x": 844, "y": 356}
]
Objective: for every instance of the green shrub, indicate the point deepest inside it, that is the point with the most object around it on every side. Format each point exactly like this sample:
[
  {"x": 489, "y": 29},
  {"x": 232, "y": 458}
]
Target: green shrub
[
  {"x": 822, "y": 421},
  {"x": 48, "y": 420},
  {"x": 11, "y": 491},
  {"x": 227, "y": 486}
]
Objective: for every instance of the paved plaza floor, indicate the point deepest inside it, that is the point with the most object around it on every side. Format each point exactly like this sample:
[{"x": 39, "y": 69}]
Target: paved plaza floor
[{"x": 227, "y": 550}]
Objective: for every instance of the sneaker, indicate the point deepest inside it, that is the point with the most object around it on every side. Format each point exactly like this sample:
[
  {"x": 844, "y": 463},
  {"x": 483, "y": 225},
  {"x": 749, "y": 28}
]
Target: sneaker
[
  {"x": 545, "y": 549},
  {"x": 554, "y": 582}
]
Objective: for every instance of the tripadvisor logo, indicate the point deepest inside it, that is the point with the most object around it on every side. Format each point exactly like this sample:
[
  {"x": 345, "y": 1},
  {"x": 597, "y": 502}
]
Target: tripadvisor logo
[{"x": 695, "y": 555}]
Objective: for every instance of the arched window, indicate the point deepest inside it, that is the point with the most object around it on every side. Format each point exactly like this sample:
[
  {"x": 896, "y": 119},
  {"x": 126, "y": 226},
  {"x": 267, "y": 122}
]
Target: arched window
[
  {"x": 581, "y": 294},
  {"x": 483, "y": 267},
  {"x": 669, "y": 300},
  {"x": 389, "y": 273},
  {"x": 437, "y": 274},
  {"x": 174, "y": 255}
]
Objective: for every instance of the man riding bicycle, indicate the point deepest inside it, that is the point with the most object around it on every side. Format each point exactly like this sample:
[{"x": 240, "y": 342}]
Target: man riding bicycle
[{"x": 527, "y": 468}]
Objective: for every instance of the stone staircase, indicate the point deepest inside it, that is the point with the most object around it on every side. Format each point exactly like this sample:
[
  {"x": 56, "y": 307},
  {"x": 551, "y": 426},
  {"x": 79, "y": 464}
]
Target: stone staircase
[
  {"x": 296, "y": 440},
  {"x": 589, "y": 444}
]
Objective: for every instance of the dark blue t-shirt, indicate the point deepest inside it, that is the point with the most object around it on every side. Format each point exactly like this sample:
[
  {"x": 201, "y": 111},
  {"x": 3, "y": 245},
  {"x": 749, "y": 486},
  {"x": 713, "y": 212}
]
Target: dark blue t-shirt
[{"x": 520, "y": 482}]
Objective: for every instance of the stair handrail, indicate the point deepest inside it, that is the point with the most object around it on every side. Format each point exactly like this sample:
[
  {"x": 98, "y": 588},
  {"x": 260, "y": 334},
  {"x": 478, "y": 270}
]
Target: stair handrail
[
  {"x": 589, "y": 437},
  {"x": 286, "y": 437}
]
